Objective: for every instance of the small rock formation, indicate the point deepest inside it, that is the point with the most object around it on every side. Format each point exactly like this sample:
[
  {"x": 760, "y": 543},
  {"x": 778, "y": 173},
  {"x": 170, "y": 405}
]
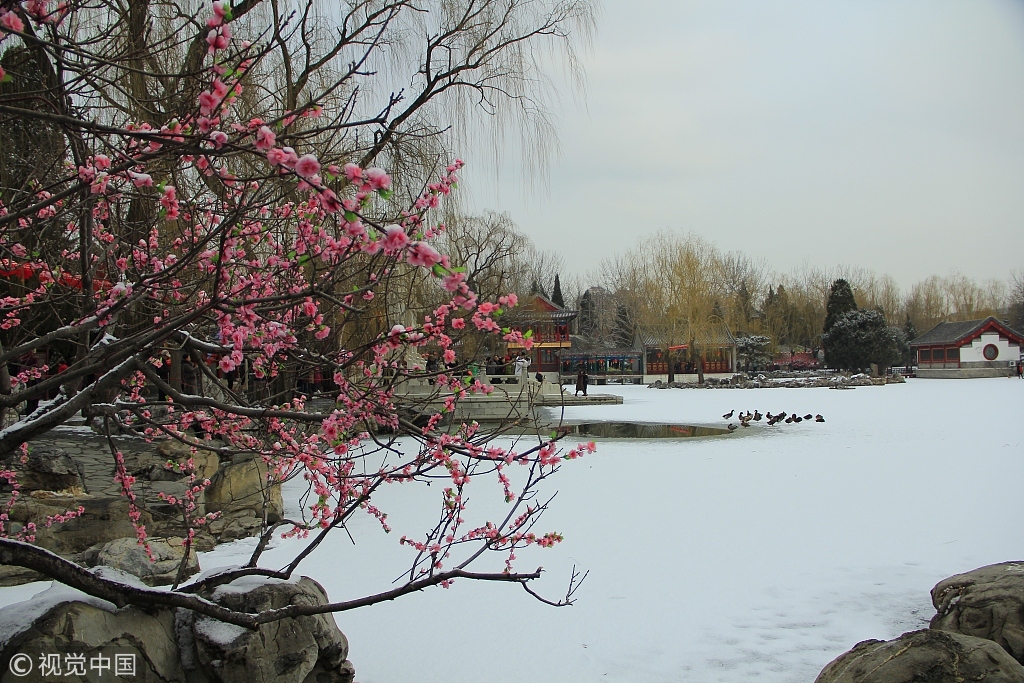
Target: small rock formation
[
  {"x": 178, "y": 646},
  {"x": 924, "y": 656},
  {"x": 985, "y": 603},
  {"x": 304, "y": 649},
  {"x": 239, "y": 490},
  {"x": 45, "y": 469},
  {"x": 126, "y": 555}
]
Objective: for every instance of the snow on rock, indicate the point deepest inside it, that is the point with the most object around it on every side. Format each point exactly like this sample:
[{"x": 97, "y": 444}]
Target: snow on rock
[{"x": 17, "y": 618}]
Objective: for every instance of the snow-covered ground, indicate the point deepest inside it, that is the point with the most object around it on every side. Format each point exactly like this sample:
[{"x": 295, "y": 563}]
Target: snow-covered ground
[{"x": 759, "y": 555}]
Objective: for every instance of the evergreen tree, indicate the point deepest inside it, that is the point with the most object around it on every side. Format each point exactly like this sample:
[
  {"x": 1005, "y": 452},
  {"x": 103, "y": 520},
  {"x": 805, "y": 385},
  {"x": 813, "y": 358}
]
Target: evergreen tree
[
  {"x": 556, "y": 293},
  {"x": 752, "y": 350},
  {"x": 859, "y": 338},
  {"x": 840, "y": 301}
]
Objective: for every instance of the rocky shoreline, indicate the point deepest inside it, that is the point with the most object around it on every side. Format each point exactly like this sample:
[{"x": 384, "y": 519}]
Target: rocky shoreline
[{"x": 785, "y": 380}]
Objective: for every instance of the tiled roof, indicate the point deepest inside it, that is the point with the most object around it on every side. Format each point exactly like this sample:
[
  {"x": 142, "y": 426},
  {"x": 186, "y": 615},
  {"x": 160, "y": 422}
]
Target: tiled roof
[{"x": 953, "y": 332}]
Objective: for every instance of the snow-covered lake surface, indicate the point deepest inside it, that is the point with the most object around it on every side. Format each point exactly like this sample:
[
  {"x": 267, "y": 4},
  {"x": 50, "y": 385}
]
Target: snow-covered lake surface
[{"x": 759, "y": 555}]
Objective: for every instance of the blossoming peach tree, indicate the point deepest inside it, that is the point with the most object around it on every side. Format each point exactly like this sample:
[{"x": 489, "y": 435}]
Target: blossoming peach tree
[{"x": 261, "y": 260}]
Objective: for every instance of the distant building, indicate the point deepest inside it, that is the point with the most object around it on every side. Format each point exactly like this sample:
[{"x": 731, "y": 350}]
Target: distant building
[
  {"x": 971, "y": 348},
  {"x": 717, "y": 348},
  {"x": 550, "y": 324},
  {"x": 604, "y": 364}
]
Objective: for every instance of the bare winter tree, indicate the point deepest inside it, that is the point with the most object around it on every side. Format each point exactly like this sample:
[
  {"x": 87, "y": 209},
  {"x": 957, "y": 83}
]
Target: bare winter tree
[{"x": 206, "y": 187}]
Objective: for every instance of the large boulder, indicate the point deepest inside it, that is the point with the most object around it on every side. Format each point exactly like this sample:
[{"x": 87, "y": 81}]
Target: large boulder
[
  {"x": 924, "y": 656},
  {"x": 178, "y": 646},
  {"x": 240, "y": 489},
  {"x": 308, "y": 649},
  {"x": 127, "y": 555},
  {"x": 985, "y": 603},
  {"x": 63, "y": 621},
  {"x": 45, "y": 469}
]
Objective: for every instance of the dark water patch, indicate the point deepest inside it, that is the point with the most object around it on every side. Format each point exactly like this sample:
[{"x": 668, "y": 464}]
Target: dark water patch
[{"x": 642, "y": 430}]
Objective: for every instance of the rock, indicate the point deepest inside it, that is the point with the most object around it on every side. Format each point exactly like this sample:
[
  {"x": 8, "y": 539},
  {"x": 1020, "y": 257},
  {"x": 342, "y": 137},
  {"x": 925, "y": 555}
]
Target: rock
[
  {"x": 62, "y": 620},
  {"x": 985, "y": 603},
  {"x": 924, "y": 656},
  {"x": 178, "y": 646},
  {"x": 15, "y": 576},
  {"x": 240, "y": 489},
  {"x": 45, "y": 469},
  {"x": 206, "y": 462},
  {"x": 308, "y": 649},
  {"x": 128, "y": 556},
  {"x": 152, "y": 464},
  {"x": 240, "y": 527},
  {"x": 105, "y": 519}
]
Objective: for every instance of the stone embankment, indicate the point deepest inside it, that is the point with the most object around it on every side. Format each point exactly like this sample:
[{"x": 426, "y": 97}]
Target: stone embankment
[
  {"x": 784, "y": 380},
  {"x": 73, "y": 467},
  {"x": 977, "y": 634}
]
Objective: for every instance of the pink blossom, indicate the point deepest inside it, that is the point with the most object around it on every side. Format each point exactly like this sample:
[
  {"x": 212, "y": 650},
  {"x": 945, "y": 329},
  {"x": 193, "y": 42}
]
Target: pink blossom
[
  {"x": 207, "y": 102},
  {"x": 422, "y": 254},
  {"x": 220, "y": 88},
  {"x": 307, "y": 166},
  {"x": 12, "y": 22},
  {"x": 276, "y": 157},
  {"x": 323, "y": 332},
  {"x": 395, "y": 238},
  {"x": 289, "y": 158},
  {"x": 219, "y": 138},
  {"x": 265, "y": 139},
  {"x": 449, "y": 356},
  {"x": 102, "y": 162},
  {"x": 378, "y": 179},
  {"x": 141, "y": 179},
  {"x": 219, "y": 12},
  {"x": 219, "y": 38},
  {"x": 458, "y": 323},
  {"x": 353, "y": 172},
  {"x": 329, "y": 201}
]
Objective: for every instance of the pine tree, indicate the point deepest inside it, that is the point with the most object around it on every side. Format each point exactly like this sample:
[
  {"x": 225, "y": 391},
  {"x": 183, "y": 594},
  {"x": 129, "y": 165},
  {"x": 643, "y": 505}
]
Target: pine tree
[
  {"x": 556, "y": 293},
  {"x": 859, "y": 338},
  {"x": 840, "y": 301}
]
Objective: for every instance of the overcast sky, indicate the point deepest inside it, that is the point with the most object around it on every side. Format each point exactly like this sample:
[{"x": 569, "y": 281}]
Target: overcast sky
[{"x": 887, "y": 134}]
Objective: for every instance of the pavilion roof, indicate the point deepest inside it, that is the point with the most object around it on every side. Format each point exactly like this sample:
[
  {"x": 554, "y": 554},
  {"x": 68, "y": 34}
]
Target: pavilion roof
[{"x": 965, "y": 330}]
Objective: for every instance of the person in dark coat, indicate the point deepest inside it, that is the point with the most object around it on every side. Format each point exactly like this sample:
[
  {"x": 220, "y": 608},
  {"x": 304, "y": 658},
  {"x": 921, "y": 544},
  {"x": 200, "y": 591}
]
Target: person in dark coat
[{"x": 581, "y": 381}]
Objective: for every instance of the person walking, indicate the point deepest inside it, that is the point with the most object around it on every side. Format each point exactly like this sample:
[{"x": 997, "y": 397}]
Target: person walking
[
  {"x": 581, "y": 380},
  {"x": 1020, "y": 369}
]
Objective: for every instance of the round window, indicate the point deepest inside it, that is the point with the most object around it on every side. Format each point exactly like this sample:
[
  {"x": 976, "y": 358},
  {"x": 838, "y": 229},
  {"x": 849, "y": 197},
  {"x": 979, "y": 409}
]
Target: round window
[{"x": 991, "y": 351}]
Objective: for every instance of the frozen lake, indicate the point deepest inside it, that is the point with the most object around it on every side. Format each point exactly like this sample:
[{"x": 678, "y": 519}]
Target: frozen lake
[{"x": 759, "y": 555}]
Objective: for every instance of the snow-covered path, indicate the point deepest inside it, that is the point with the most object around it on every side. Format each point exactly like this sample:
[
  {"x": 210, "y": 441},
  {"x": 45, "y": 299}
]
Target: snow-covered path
[{"x": 759, "y": 555}]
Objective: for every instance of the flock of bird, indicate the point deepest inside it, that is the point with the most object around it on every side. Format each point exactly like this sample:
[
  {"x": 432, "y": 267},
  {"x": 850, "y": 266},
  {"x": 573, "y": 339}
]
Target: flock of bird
[{"x": 746, "y": 418}]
